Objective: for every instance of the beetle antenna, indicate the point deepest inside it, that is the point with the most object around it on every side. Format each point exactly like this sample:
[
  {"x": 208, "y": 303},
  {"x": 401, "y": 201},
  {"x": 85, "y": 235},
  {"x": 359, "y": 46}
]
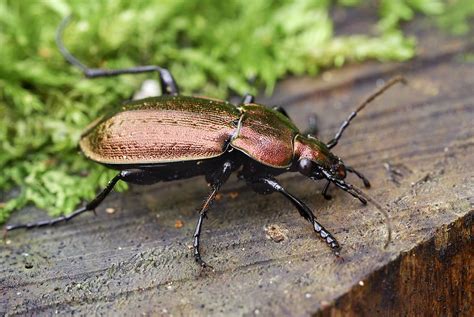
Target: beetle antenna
[
  {"x": 382, "y": 210},
  {"x": 368, "y": 100},
  {"x": 64, "y": 51}
]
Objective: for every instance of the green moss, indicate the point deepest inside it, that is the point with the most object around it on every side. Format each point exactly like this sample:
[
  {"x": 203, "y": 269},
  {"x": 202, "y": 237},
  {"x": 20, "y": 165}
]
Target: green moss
[
  {"x": 458, "y": 16},
  {"x": 212, "y": 47}
]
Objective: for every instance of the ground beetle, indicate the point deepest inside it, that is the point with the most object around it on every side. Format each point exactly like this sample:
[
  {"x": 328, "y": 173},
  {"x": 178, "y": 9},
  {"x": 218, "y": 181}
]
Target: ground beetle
[{"x": 176, "y": 137}]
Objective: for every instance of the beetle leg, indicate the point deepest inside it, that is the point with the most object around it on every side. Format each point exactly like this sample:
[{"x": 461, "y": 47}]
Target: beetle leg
[
  {"x": 325, "y": 191},
  {"x": 271, "y": 185},
  {"x": 197, "y": 231},
  {"x": 217, "y": 179},
  {"x": 313, "y": 128},
  {"x": 247, "y": 98},
  {"x": 88, "y": 207},
  {"x": 348, "y": 188},
  {"x": 281, "y": 110},
  {"x": 360, "y": 175},
  {"x": 168, "y": 84}
]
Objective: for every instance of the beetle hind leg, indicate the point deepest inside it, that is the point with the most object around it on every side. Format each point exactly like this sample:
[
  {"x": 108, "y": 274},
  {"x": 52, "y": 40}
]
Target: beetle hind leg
[
  {"x": 168, "y": 84},
  {"x": 88, "y": 207}
]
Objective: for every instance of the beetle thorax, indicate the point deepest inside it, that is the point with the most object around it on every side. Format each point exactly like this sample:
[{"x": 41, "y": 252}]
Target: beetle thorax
[{"x": 313, "y": 149}]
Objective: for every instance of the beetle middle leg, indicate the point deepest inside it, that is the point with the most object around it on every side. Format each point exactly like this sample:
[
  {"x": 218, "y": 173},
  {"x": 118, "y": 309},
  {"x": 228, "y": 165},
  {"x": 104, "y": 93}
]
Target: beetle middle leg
[
  {"x": 267, "y": 184},
  {"x": 167, "y": 82},
  {"x": 216, "y": 179},
  {"x": 123, "y": 175}
]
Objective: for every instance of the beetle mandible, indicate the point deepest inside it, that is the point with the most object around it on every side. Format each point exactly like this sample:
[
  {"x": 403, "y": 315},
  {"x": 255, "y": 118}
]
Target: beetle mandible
[{"x": 174, "y": 137}]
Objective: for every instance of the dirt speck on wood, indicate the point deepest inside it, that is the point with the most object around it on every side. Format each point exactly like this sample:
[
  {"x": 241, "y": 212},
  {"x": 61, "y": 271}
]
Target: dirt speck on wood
[{"x": 276, "y": 233}]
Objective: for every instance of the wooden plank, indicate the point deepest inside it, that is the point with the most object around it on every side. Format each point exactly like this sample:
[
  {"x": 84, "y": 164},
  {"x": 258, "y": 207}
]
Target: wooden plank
[{"x": 137, "y": 261}]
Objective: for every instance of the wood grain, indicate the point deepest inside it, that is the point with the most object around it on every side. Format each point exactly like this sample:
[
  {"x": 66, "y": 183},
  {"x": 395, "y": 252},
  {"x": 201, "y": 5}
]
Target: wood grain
[{"x": 136, "y": 261}]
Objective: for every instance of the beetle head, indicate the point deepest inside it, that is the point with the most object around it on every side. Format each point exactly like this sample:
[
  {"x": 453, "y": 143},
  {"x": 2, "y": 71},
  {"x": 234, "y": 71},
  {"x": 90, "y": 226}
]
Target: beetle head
[{"x": 316, "y": 161}]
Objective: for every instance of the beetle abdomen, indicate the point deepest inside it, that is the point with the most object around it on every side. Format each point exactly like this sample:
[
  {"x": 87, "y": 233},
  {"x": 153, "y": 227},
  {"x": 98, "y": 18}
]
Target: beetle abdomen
[
  {"x": 266, "y": 136},
  {"x": 162, "y": 129}
]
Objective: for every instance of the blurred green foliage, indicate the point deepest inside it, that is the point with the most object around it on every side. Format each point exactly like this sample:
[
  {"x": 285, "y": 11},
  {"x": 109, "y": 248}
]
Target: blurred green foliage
[{"x": 212, "y": 47}]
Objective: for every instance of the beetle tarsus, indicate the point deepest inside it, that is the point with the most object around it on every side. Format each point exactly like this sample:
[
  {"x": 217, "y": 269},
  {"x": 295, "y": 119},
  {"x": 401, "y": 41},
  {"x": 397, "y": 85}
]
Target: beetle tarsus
[{"x": 201, "y": 263}]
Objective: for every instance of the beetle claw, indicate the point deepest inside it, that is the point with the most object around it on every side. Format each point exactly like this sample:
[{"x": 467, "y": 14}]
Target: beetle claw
[
  {"x": 339, "y": 258},
  {"x": 203, "y": 264},
  {"x": 327, "y": 196}
]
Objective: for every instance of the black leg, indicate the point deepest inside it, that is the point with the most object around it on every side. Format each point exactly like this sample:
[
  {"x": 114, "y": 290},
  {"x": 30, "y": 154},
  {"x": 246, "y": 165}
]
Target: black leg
[
  {"x": 197, "y": 231},
  {"x": 265, "y": 185},
  {"x": 325, "y": 191},
  {"x": 344, "y": 186},
  {"x": 168, "y": 84},
  {"x": 360, "y": 175},
  {"x": 88, "y": 207},
  {"x": 313, "y": 128},
  {"x": 216, "y": 179},
  {"x": 247, "y": 98},
  {"x": 281, "y": 110}
]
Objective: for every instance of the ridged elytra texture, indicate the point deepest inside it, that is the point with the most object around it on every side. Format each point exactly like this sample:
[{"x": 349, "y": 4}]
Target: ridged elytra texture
[
  {"x": 161, "y": 129},
  {"x": 170, "y": 129}
]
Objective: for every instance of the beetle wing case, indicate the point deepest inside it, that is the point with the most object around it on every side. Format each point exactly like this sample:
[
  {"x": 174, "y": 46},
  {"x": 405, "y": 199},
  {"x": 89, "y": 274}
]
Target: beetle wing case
[{"x": 160, "y": 130}]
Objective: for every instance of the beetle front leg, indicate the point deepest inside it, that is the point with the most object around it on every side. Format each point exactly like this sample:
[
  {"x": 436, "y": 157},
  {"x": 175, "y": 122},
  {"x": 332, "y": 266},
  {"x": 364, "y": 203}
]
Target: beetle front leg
[
  {"x": 325, "y": 191},
  {"x": 347, "y": 188},
  {"x": 216, "y": 179},
  {"x": 123, "y": 175},
  {"x": 266, "y": 185},
  {"x": 360, "y": 175}
]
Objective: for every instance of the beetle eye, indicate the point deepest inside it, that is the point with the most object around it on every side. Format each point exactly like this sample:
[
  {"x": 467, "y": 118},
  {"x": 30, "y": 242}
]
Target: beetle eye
[{"x": 305, "y": 166}]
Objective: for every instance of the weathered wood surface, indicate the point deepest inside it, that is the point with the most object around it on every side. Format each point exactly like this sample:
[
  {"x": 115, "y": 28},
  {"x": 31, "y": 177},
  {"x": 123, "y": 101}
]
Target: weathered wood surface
[{"x": 137, "y": 261}]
